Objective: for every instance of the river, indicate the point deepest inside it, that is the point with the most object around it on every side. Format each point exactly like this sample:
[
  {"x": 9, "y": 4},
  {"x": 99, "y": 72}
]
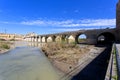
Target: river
[{"x": 26, "y": 63}]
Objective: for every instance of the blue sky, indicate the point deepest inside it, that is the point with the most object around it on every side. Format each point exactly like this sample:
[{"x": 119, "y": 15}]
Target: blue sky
[{"x": 53, "y": 16}]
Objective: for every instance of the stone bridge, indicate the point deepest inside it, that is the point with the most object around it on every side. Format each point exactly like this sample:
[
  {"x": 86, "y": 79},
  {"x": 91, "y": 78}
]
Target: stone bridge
[{"x": 92, "y": 36}]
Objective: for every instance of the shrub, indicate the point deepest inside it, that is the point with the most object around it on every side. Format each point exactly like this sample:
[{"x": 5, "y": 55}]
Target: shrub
[
  {"x": 2, "y": 40},
  {"x": 5, "y": 46},
  {"x": 12, "y": 39}
]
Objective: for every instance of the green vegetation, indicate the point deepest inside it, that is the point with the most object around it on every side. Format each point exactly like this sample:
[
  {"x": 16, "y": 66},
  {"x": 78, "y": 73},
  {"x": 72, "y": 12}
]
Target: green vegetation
[
  {"x": 114, "y": 77},
  {"x": 68, "y": 53},
  {"x": 2, "y": 40},
  {"x": 12, "y": 39},
  {"x": 4, "y": 45},
  {"x": 81, "y": 40},
  {"x": 75, "y": 43},
  {"x": 53, "y": 48}
]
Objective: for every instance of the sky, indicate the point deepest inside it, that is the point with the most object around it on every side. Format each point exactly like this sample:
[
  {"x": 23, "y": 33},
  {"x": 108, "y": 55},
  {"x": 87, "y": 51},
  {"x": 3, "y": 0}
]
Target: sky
[{"x": 55, "y": 16}]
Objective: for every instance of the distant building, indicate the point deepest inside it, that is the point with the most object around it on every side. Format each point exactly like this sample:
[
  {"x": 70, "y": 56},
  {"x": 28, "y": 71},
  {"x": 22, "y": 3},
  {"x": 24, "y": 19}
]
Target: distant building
[
  {"x": 26, "y": 37},
  {"x": 30, "y": 34},
  {"x": 11, "y": 36}
]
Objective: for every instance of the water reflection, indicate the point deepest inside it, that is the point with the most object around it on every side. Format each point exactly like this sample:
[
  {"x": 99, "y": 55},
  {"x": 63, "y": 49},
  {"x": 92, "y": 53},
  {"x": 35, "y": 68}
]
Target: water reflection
[
  {"x": 36, "y": 44},
  {"x": 26, "y": 63}
]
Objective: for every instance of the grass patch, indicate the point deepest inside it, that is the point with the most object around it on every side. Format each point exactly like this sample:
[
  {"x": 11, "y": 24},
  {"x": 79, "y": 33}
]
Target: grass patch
[
  {"x": 114, "y": 77},
  {"x": 68, "y": 53},
  {"x": 5, "y": 45},
  {"x": 81, "y": 40},
  {"x": 2, "y": 40},
  {"x": 12, "y": 39}
]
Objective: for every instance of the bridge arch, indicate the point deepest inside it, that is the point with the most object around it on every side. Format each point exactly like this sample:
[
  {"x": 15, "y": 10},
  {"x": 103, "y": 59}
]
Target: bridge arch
[
  {"x": 58, "y": 38},
  {"x": 34, "y": 39},
  {"x": 81, "y": 38},
  {"x": 49, "y": 39},
  {"x": 71, "y": 39},
  {"x": 44, "y": 39},
  {"x": 105, "y": 38}
]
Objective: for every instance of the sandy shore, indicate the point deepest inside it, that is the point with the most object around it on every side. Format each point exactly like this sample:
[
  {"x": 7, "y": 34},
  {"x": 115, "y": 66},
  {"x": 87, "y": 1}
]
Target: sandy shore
[{"x": 3, "y": 51}]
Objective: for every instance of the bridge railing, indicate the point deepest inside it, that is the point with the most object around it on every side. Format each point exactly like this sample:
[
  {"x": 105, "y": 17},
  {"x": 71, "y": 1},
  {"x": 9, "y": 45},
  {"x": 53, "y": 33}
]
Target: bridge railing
[
  {"x": 118, "y": 59},
  {"x": 113, "y": 68}
]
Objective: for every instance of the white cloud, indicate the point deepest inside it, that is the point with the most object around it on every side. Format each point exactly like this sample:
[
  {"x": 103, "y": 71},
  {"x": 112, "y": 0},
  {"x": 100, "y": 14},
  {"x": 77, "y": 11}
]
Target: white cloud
[
  {"x": 69, "y": 24},
  {"x": 36, "y": 22},
  {"x": 62, "y": 29},
  {"x": 8, "y": 22},
  {"x": 47, "y": 22},
  {"x": 73, "y": 23},
  {"x": 93, "y": 22}
]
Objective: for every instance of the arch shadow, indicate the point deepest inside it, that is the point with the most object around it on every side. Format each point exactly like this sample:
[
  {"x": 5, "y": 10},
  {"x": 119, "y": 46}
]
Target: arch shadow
[
  {"x": 96, "y": 69},
  {"x": 105, "y": 38}
]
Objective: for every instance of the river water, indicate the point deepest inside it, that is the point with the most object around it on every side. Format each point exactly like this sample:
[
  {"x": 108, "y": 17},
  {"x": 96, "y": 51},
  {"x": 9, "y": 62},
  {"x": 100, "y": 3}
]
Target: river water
[{"x": 26, "y": 63}]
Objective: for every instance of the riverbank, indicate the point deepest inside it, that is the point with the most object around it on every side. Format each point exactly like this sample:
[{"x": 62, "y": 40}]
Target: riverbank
[{"x": 66, "y": 57}]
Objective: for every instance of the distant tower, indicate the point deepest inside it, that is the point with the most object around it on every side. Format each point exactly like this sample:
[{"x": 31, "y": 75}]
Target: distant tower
[{"x": 118, "y": 15}]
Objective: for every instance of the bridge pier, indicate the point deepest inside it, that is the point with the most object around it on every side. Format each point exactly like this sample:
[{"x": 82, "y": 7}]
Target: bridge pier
[
  {"x": 91, "y": 41},
  {"x": 53, "y": 38},
  {"x": 44, "y": 39},
  {"x": 91, "y": 38},
  {"x": 63, "y": 39},
  {"x": 49, "y": 39},
  {"x": 35, "y": 39},
  {"x": 32, "y": 39},
  {"x": 67, "y": 39},
  {"x": 39, "y": 39},
  {"x": 28, "y": 39}
]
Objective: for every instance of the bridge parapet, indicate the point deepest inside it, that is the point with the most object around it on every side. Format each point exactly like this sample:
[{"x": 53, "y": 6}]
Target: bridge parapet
[
  {"x": 118, "y": 59},
  {"x": 112, "y": 70}
]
